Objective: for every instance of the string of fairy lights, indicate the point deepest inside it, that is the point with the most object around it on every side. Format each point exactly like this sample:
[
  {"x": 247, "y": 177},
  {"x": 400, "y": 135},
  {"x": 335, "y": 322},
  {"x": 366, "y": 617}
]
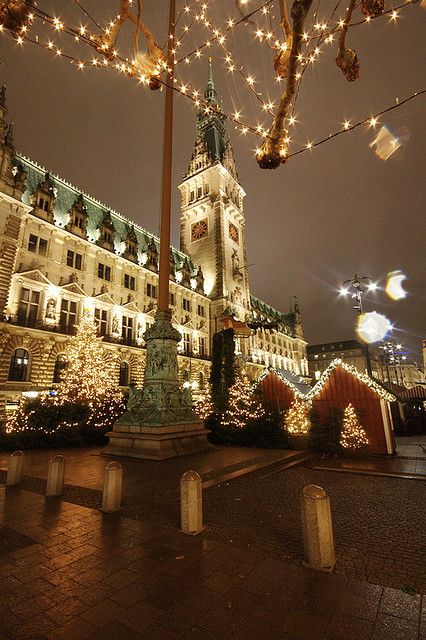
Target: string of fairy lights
[{"x": 106, "y": 56}]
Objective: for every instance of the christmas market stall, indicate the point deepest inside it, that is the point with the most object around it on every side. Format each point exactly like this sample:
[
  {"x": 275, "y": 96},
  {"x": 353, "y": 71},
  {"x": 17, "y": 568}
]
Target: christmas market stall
[
  {"x": 341, "y": 385},
  {"x": 280, "y": 388}
]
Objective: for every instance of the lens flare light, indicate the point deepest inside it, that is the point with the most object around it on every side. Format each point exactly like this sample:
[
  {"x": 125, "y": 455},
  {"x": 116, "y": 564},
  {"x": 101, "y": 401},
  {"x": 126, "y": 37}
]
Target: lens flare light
[
  {"x": 372, "y": 327},
  {"x": 394, "y": 287}
]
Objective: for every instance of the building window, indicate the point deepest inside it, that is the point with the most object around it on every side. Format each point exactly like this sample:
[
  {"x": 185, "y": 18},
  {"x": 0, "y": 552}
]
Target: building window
[
  {"x": 151, "y": 290},
  {"x": 60, "y": 365},
  {"x": 172, "y": 299},
  {"x": 202, "y": 346},
  {"x": 124, "y": 374},
  {"x": 129, "y": 282},
  {"x": 201, "y": 311},
  {"x": 37, "y": 245},
  {"x": 127, "y": 329},
  {"x": 199, "y": 192},
  {"x": 101, "y": 319},
  {"x": 18, "y": 369},
  {"x": 68, "y": 318},
  {"x": 43, "y": 204},
  {"x": 104, "y": 271},
  {"x": 186, "y": 304},
  {"x": 28, "y": 307},
  {"x": 74, "y": 260},
  {"x": 206, "y": 188},
  {"x": 192, "y": 196},
  {"x": 187, "y": 343}
]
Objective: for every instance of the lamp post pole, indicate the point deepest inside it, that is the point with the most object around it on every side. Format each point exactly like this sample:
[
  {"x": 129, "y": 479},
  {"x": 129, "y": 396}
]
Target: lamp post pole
[
  {"x": 356, "y": 282},
  {"x": 166, "y": 198},
  {"x": 159, "y": 422}
]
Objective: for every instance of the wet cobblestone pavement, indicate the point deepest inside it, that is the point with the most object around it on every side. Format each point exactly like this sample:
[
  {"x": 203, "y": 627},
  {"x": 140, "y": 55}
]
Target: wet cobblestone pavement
[{"x": 82, "y": 574}]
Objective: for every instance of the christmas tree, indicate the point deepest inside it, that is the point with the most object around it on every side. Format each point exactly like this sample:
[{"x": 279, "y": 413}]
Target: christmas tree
[
  {"x": 297, "y": 419},
  {"x": 87, "y": 395},
  {"x": 87, "y": 376},
  {"x": 204, "y": 406},
  {"x": 242, "y": 404},
  {"x": 353, "y": 435}
]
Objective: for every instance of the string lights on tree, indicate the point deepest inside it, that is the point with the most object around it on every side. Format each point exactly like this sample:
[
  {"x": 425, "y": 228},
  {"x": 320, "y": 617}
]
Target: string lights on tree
[
  {"x": 88, "y": 381},
  {"x": 295, "y": 37},
  {"x": 353, "y": 435},
  {"x": 242, "y": 404},
  {"x": 297, "y": 421}
]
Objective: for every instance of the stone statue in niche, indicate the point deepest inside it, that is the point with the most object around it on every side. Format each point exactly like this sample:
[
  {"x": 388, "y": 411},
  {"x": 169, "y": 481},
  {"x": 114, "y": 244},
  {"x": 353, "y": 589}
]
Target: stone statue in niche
[
  {"x": 199, "y": 287},
  {"x": 115, "y": 325},
  {"x": 186, "y": 274},
  {"x": 51, "y": 309},
  {"x": 139, "y": 332},
  {"x": 236, "y": 271}
]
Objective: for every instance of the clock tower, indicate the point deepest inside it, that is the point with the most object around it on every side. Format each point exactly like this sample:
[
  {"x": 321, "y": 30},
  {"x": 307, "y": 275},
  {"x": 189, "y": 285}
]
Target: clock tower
[{"x": 212, "y": 218}]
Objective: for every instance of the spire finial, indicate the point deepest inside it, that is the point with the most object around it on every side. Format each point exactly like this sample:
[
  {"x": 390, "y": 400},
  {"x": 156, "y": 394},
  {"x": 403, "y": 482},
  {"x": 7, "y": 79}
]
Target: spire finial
[{"x": 210, "y": 92}]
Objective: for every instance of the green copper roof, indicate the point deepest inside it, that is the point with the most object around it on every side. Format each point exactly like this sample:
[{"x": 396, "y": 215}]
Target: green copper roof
[
  {"x": 67, "y": 194},
  {"x": 211, "y": 126},
  {"x": 272, "y": 314}
]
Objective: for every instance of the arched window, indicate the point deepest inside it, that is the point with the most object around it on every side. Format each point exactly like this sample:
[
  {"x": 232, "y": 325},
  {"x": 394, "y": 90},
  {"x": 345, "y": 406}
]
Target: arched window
[
  {"x": 124, "y": 374},
  {"x": 18, "y": 369},
  {"x": 60, "y": 365}
]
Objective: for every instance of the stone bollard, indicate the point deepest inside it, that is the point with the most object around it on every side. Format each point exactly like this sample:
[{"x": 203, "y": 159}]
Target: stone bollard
[
  {"x": 111, "y": 498},
  {"x": 14, "y": 471},
  {"x": 191, "y": 503},
  {"x": 317, "y": 529},
  {"x": 55, "y": 477}
]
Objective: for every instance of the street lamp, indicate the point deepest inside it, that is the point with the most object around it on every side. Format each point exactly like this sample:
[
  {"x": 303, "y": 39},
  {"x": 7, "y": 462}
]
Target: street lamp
[
  {"x": 359, "y": 286},
  {"x": 159, "y": 422}
]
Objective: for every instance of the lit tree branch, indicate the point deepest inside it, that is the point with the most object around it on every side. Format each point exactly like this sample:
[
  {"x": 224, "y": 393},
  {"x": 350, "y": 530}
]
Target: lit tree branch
[
  {"x": 282, "y": 55},
  {"x": 347, "y": 59},
  {"x": 273, "y": 151}
]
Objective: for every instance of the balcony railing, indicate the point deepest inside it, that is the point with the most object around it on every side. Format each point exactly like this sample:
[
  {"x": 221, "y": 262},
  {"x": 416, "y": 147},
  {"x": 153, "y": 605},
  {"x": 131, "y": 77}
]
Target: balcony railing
[{"x": 70, "y": 330}]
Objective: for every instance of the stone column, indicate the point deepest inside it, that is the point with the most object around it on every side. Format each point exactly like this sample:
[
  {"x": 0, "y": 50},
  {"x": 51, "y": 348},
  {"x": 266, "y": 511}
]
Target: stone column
[
  {"x": 191, "y": 503},
  {"x": 317, "y": 529}
]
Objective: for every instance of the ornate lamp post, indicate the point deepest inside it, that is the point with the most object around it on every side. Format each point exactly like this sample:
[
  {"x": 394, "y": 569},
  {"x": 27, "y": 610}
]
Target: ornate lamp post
[
  {"x": 357, "y": 283},
  {"x": 159, "y": 422}
]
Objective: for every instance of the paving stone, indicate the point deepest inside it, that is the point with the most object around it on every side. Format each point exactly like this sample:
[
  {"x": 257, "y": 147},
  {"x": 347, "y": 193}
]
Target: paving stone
[{"x": 391, "y": 628}]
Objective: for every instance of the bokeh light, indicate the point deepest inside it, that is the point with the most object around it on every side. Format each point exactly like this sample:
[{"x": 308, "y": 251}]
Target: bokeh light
[
  {"x": 372, "y": 327},
  {"x": 394, "y": 287},
  {"x": 385, "y": 143}
]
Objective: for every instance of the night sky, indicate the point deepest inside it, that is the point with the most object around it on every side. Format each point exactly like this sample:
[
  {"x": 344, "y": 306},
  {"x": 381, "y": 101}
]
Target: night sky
[{"x": 312, "y": 223}]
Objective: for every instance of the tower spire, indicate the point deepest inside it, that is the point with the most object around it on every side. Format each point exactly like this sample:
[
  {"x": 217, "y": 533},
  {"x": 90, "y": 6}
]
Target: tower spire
[{"x": 210, "y": 93}]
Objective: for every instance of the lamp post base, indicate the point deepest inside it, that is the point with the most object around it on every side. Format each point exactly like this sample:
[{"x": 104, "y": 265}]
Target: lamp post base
[
  {"x": 159, "y": 422},
  {"x": 157, "y": 443}
]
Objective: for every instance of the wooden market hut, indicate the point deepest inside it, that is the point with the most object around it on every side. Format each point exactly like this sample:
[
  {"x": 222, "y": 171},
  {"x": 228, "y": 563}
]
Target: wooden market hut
[
  {"x": 340, "y": 384},
  {"x": 279, "y": 388}
]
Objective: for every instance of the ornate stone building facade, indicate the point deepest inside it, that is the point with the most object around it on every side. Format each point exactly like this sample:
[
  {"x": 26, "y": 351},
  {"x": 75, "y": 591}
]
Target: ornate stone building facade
[{"x": 63, "y": 253}]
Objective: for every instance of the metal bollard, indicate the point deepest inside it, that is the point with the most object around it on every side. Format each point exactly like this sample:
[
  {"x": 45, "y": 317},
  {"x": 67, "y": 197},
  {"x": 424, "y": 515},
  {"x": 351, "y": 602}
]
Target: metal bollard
[
  {"x": 14, "y": 471},
  {"x": 191, "y": 503},
  {"x": 111, "y": 497},
  {"x": 317, "y": 529},
  {"x": 55, "y": 477}
]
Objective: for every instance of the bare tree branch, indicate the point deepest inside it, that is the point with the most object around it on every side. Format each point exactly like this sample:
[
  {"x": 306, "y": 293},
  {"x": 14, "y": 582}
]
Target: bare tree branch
[
  {"x": 282, "y": 55},
  {"x": 273, "y": 151},
  {"x": 347, "y": 59}
]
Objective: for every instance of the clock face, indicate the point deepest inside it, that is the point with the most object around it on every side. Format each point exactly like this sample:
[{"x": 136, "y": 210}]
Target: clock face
[
  {"x": 234, "y": 233},
  {"x": 199, "y": 230}
]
